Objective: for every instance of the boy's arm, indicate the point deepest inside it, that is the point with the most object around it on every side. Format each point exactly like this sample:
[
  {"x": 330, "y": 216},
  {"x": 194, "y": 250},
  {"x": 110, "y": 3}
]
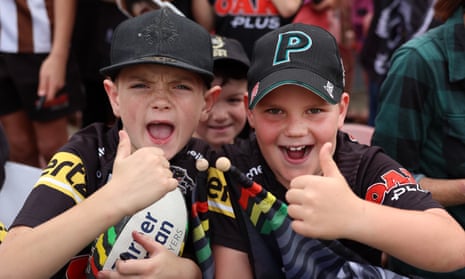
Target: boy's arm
[
  {"x": 49, "y": 246},
  {"x": 325, "y": 207},
  {"x": 448, "y": 192},
  {"x": 430, "y": 239},
  {"x": 52, "y": 76},
  {"x": 203, "y": 14}
]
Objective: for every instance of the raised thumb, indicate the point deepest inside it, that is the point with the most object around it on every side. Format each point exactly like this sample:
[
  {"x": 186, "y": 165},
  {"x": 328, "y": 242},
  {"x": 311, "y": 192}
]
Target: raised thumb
[
  {"x": 328, "y": 166},
  {"x": 124, "y": 146}
]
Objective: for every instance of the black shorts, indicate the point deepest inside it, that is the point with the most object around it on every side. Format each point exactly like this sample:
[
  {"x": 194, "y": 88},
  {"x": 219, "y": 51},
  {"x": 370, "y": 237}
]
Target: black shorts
[{"x": 19, "y": 78}]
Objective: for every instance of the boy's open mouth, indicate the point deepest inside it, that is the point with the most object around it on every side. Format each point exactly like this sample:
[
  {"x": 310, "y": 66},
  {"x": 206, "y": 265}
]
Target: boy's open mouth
[
  {"x": 160, "y": 131},
  {"x": 296, "y": 152}
]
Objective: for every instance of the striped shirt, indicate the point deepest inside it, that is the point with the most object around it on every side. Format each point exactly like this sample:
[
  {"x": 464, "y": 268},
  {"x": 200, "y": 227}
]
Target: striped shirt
[{"x": 26, "y": 26}]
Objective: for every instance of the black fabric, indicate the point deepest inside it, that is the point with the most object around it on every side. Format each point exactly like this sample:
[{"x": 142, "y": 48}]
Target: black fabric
[
  {"x": 394, "y": 23},
  {"x": 4, "y": 153},
  {"x": 161, "y": 37},
  {"x": 227, "y": 49}
]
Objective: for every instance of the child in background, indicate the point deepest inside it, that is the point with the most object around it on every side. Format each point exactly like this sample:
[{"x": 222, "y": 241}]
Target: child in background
[
  {"x": 161, "y": 67},
  {"x": 227, "y": 118},
  {"x": 336, "y": 189}
]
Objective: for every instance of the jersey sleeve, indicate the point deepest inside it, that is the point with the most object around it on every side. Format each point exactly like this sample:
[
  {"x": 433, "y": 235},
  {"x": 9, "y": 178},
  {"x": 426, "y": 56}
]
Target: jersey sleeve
[
  {"x": 61, "y": 185},
  {"x": 388, "y": 183}
]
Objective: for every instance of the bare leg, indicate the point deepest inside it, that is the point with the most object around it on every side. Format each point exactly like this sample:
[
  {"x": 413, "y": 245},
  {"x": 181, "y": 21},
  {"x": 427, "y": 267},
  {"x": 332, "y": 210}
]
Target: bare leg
[
  {"x": 21, "y": 138},
  {"x": 51, "y": 135}
]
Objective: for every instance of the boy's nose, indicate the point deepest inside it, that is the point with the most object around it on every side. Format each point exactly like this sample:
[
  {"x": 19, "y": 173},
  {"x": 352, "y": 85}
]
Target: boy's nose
[
  {"x": 161, "y": 105},
  {"x": 160, "y": 102},
  {"x": 218, "y": 113},
  {"x": 296, "y": 128}
]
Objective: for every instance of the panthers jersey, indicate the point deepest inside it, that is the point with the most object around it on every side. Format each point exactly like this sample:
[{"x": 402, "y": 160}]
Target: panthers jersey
[
  {"x": 84, "y": 165},
  {"x": 371, "y": 174}
]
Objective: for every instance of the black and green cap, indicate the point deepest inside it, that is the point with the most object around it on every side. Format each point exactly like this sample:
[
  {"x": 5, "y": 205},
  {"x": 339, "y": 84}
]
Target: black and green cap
[{"x": 298, "y": 54}]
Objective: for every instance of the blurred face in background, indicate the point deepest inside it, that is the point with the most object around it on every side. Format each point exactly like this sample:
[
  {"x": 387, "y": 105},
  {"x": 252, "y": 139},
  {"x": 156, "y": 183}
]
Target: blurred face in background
[{"x": 228, "y": 115}]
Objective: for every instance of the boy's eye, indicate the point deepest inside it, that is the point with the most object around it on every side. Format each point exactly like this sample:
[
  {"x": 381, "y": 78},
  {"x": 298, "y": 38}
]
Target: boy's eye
[
  {"x": 182, "y": 87},
  {"x": 235, "y": 100},
  {"x": 138, "y": 85},
  {"x": 274, "y": 111},
  {"x": 315, "y": 110}
]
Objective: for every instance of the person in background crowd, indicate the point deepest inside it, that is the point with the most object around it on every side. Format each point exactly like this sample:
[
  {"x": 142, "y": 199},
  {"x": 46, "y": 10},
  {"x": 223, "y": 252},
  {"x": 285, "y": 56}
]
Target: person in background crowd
[
  {"x": 317, "y": 12},
  {"x": 39, "y": 80},
  {"x": 95, "y": 23},
  {"x": 421, "y": 115},
  {"x": 393, "y": 23},
  {"x": 244, "y": 21},
  {"x": 132, "y": 8}
]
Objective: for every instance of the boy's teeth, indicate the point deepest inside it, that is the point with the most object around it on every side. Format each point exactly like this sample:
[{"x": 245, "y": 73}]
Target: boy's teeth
[{"x": 296, "y": 148}]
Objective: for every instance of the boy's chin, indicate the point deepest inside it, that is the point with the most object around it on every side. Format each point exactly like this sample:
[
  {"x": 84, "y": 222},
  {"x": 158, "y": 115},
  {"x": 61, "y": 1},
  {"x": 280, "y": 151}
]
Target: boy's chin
[
  {"x": 296, "y": 171},
  {"x": 172, "y": 148}
]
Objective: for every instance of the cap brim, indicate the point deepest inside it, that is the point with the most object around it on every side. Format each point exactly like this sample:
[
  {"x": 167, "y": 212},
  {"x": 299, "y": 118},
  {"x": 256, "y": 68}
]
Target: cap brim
[
  {"x": 304, "y": 78},
  {"x": 231, "y": 60},
  {"x": 113, "y": 69}
]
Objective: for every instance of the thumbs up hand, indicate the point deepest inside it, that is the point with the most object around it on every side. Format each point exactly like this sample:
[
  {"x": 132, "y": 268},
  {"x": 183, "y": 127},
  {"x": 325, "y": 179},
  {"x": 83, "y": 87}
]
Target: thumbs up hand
[
  {"x": 139, "y": 178},
  {"x": 323, "y": 206}
]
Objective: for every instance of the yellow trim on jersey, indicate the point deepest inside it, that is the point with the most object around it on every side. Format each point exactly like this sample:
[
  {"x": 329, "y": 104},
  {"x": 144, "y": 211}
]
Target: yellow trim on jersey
[
  {"x": 3, "y": 232},
  {"x": 66, "y": 174},
  {"x": 218, "y": 197},
  {"x": 101, "y": 250}
]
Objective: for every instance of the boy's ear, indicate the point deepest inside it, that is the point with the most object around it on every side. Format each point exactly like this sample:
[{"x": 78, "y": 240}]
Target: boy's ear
[
  {"x": 112, "y": 93},
  {"x": 210, "y": 98},
  {"x": 249, "y": 113},
  {"x": 216, "y": 91},
  {"x": 250, "y": 118},
  {"x": 343, "y": 108}
]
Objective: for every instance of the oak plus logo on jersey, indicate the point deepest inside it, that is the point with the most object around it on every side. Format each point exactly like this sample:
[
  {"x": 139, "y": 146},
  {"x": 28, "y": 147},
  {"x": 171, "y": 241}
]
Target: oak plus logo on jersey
[
  {"x": 395, "y": 182},
  {"x": 249, "y": 14}
]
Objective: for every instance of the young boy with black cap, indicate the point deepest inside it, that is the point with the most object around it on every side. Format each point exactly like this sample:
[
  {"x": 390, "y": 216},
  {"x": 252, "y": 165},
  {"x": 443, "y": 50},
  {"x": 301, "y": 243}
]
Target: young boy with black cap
[
  {"x": 161, "y": 68},
  {"x": 227, "y": 118},
  {"x": 335, "y": 189}
]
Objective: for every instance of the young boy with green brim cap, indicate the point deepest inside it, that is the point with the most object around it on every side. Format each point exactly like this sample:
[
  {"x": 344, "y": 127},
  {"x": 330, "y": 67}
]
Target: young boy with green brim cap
[{"x": 332, "y": 188}]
